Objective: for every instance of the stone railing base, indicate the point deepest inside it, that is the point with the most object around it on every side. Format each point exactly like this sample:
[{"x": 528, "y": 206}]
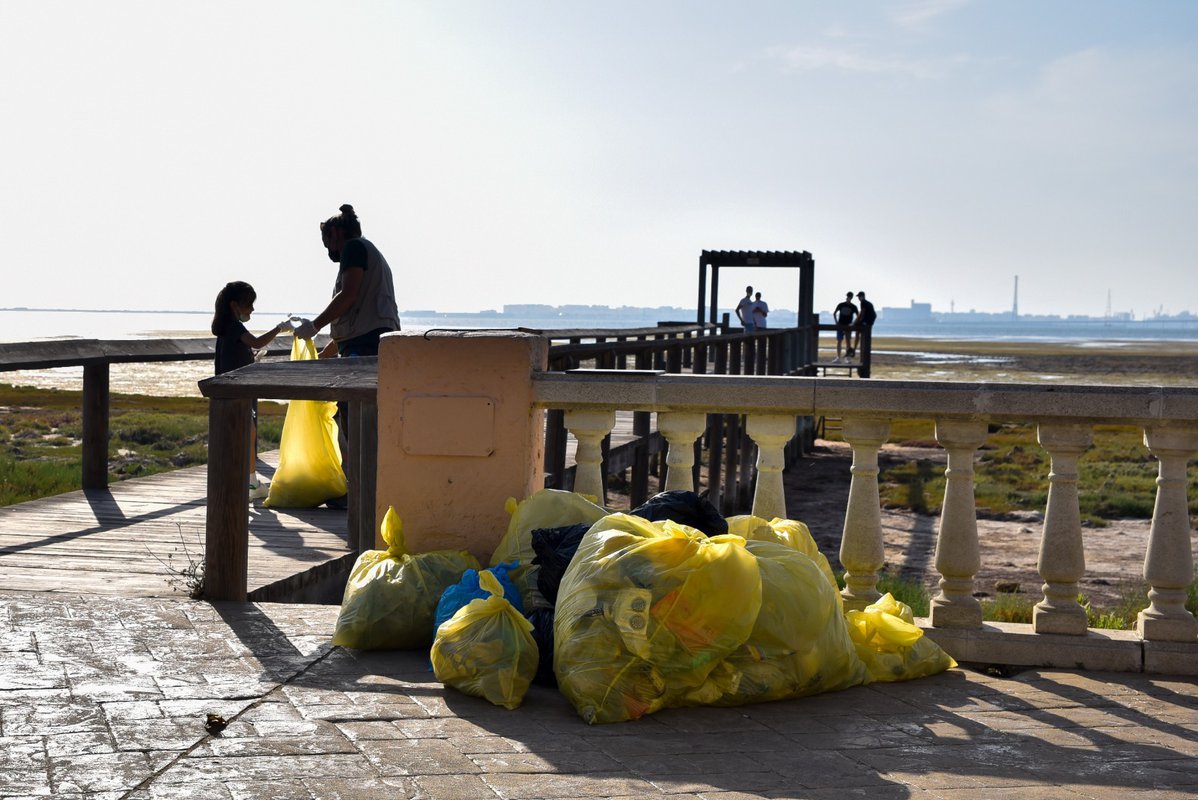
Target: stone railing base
[{"x": 1015, "y": 644}]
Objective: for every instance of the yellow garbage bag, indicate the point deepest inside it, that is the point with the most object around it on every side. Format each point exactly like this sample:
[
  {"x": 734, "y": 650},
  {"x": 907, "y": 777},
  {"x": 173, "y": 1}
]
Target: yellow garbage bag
[
  {"x": 646, "y": 610},
  {"x": 548, "y": 508},
  {"x": 892, "y": 646},
  {"x": 309, "y": 470},
  {"x": 789, "y": 532},
  {"x": 391, "y": 597},
  {"x": 800, "y": 644},
  {"x": 486, "y": 648}
]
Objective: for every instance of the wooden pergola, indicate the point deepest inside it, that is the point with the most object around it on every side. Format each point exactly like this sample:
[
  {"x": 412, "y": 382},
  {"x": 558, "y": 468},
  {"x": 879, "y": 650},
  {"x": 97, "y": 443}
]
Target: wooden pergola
[{"x": 758, "y": 259}]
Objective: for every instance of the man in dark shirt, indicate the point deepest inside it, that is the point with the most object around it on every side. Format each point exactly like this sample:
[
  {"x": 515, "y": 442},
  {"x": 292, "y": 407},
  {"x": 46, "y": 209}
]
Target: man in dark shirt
[
  {"x": 864, "y": 322},
  {"x": 844, "y": 315}
]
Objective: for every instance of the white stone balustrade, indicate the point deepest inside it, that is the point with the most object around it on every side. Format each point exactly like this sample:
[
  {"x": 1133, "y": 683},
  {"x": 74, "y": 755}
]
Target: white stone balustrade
[
  {"x": 1166, "y": 638},
  {"x": 770, "y": 432},
  {"x": 680, "y": 430},
  {"x": 861, "y": 550},
  {"x": 589, "y": 428},
  {"x": 1169, "y": 562},
  {"x": 1062, "y": 561},
  {"x": 957, "y": 557}
]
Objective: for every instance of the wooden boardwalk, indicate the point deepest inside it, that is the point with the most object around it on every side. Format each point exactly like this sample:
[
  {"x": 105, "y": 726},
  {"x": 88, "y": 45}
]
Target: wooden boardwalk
[{"x": 134, "y": 537}]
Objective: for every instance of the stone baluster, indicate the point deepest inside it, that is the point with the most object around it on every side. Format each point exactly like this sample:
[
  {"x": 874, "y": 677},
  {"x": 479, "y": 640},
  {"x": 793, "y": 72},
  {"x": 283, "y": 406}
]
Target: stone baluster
[
  {"x": 771, "y": 432},
  {"x": 680, "y": 429},
  {"x": 1169, "y": 562},
  {"x": 589, "y": 428},
  {"x": 1062, "y": 558},
  {"x": 861, "y": 550},
  {"x": 957, "y": 557}
]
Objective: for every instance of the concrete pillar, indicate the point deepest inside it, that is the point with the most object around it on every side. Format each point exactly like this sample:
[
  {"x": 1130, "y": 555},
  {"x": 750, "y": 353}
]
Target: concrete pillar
[
  {"x": 458, "y": 434},
  {"x": 861, "y": 550},
  {"x": 680, "y": 429},
  {"x": 957, "y": 556},
  {"x": 1169, "y": 562},
  {"x": 1062, "y": 557},
  {"x": 589, "y": 428},
  {"x": 771, "y": 432}
]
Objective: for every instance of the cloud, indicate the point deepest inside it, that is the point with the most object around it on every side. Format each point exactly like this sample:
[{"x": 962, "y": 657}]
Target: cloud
[
  {"x": 920, "y": 14},
  {"x": 810, "y": 58}
]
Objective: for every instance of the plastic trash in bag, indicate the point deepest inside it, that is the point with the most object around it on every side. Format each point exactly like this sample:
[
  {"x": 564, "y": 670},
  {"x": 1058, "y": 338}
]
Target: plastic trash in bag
[
  {"x": 555, "y": 548},
  {"x": 469, "y": 588},
  {"x": 486, "y": 649},
  {"x": 309, "y": 471},
  {"x": 548, "y": 508},
  {"x": 789, "y": 532},
  {"x": 542, "y": 634},
  {"x": 685, "y": 508},
  {"x": 645, "y": 612},
  {"x": 892, "y": 646},
  {"x": 391, "y": 596},
  {"x": 799, "y": 645}
]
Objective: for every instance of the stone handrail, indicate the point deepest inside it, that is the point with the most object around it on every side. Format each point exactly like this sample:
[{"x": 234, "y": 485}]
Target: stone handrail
[{"x": 1166, "y": 636}]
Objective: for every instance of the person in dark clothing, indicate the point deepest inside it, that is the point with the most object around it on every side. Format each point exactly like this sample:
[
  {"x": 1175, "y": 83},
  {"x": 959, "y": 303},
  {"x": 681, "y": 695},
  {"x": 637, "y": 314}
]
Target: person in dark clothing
[
  {"x": 235, "y": 348},
  {"x": 844, "y": 314},
  {"x": 864, "y": 321}
]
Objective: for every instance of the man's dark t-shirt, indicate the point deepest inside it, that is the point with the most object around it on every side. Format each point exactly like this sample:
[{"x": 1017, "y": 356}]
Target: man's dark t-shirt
[
  {"x": 231, "y": 353},
  {"x": 868, "y": 315},
  {"x": 845, "y": 312}
]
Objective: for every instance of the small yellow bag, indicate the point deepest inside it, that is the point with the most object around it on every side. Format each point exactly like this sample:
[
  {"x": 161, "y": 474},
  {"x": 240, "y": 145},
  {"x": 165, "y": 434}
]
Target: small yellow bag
[
  {"x": 486, "y": 648},
  {"x": 391, "y": 597},
  {"x": 892, "y": 646},
  {"x": 309, "y": 470}
]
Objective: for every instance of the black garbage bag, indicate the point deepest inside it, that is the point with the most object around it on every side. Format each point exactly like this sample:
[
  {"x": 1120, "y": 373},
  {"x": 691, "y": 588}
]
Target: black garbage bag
[
  {"x": 542, "y": 634},
  {"x": 554, "y": 548},
  {"x": 685, "y": 508}
]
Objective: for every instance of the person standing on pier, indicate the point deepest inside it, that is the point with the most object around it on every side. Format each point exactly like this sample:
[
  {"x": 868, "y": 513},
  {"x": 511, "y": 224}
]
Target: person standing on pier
[
  {"x": 363, "y": 306},
  {"x": 844, "y": 315},
  {"x": 744, "y": 310},
  {"x": 865, "y": 322},
  {"x": 761, "y": 310},
  {"x": 235, "y": 348}
]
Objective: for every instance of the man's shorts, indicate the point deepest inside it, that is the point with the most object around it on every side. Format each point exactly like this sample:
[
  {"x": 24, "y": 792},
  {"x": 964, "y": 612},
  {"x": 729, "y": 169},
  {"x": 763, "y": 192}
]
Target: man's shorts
[{"x": 840, "y": 333}]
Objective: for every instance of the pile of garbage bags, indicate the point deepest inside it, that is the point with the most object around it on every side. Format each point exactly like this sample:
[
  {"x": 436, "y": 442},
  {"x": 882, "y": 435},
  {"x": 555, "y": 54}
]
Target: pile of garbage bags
[{"x": 667, "y": 605}]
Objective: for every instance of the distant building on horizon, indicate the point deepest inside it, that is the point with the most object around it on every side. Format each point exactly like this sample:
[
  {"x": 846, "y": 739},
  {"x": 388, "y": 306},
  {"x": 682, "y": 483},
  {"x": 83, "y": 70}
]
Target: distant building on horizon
[{"x": 917, "y": 312}]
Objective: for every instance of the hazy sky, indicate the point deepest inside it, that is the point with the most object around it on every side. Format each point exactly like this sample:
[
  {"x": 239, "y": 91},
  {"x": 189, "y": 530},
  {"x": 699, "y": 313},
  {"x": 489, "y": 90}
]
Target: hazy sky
[{"x": 502, "y": 151}]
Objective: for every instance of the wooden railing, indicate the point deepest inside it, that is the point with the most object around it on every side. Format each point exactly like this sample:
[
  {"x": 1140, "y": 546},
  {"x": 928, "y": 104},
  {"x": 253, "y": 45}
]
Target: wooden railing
[{"x": 1166, "y": 638}]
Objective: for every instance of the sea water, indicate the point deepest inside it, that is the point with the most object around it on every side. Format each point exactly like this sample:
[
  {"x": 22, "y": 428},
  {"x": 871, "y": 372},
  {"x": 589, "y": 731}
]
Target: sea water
[{"x": 180, "y": 378}]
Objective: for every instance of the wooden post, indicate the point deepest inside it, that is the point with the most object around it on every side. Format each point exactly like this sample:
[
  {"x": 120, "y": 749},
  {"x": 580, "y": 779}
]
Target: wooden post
[
  {"x": 95, "y": 426},
  {"x": 361, "y": 473},
  {"x": 227, "y": 527}
]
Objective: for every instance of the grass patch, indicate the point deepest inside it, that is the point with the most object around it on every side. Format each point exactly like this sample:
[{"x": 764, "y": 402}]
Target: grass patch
[
  {"x": 41, "y": 431},
  {"x": 1116, "y": 476}
]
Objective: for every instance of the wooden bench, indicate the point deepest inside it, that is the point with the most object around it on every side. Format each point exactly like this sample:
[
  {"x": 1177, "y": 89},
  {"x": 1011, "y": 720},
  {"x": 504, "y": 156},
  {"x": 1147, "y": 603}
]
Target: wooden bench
[
  {"x": 849, "y": 367},
  {"x": 352, "y": 380}
]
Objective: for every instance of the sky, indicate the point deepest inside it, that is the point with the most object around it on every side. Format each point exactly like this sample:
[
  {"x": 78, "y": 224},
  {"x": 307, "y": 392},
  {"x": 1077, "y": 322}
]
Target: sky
[{"x": 511, "y": 151}]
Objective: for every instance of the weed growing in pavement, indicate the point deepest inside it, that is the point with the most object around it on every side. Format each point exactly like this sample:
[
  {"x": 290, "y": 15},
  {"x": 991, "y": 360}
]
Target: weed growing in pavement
[{"x": 189, "y": 572}]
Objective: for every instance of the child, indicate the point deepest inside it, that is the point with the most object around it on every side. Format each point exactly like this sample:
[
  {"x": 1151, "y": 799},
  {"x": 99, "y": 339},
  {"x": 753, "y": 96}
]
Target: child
[{"x": 235, "y": 348}]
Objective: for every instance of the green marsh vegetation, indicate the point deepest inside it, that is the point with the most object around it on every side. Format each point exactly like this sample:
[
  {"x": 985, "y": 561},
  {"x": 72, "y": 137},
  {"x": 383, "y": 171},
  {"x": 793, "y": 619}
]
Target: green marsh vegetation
[{"x": 41, "y": 430}]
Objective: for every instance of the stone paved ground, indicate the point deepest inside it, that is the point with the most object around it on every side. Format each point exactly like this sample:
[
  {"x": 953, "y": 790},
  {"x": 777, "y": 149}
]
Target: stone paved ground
[{"x": 104, "y": 698}]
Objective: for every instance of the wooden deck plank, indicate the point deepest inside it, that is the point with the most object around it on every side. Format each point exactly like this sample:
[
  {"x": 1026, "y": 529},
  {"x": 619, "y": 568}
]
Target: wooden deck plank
[{"x": 130, "y": 539}]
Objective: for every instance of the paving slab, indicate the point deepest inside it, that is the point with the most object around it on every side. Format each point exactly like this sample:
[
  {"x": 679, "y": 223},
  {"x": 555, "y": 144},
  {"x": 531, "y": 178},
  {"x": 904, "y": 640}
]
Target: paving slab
[{"x": 104, "y": 697}]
